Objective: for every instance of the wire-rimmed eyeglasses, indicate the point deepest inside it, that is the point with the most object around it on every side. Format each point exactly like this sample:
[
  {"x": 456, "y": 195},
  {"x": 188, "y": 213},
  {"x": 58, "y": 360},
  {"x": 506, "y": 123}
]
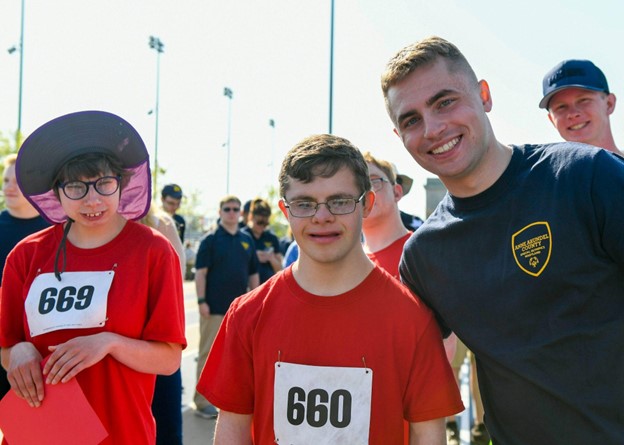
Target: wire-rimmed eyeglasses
[
  {"x": 105, "y": 186},
  {"x": 304, "y": 208},
  {"x": 377, "y": 183}
]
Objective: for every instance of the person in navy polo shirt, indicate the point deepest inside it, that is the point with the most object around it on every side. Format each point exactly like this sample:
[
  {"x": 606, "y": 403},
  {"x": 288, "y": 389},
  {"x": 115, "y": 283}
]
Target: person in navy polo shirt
[
  {"x": 226, "y": 267},
  {"x": 266, "y": 242}
]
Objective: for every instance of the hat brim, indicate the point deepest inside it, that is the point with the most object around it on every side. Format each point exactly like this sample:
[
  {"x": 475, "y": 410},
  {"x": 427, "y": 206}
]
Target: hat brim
[
  {"x": 546, "y": 99},
  {"x": 53, "y": 144},
  {"x": 406, "y": 183}
]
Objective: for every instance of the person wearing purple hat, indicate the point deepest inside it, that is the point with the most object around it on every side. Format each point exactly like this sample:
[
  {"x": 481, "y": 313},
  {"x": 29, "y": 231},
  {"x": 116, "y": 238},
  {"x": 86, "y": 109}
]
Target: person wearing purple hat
[
  {"x": 579, "y": 103},
  {"x": 75, "y": 298}
]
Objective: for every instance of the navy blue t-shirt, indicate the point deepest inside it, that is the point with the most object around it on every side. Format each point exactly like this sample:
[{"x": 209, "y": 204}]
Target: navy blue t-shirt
[
  {"x": 13, "y": 230},
  {"x": 230, "y": 260},
  {"x": 529, "y": 275},
  {"x": 266, "y": 241}
]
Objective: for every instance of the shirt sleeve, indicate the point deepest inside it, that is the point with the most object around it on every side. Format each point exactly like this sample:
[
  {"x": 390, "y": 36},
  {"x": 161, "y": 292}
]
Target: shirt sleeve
[{"x": 608, "y": 200}]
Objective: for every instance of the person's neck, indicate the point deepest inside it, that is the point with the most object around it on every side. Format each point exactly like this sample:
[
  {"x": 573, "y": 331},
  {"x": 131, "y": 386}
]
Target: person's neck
[
  {"x": 230, "y": 228},
  {"x": 92, "y": 237},
  {"x": 333, "y": 278},
  {"x": 482, "y": 177},
  {"x": 257, "y": 232},
  {"x": 608, "y": 143},
  {"x": 25, "y": 212},
  {"x": 380, "y": 236}
]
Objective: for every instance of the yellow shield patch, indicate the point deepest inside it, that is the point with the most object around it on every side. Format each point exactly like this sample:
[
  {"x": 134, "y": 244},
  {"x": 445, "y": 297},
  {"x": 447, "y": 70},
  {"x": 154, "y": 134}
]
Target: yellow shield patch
[{"x": 531, "y": 247}]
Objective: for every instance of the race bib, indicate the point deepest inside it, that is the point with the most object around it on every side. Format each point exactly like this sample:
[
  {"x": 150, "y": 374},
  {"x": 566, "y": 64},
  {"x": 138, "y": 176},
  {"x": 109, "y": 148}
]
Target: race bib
[
  {"x": 321, "y": 405},
  {"x": 77, "y": 302}
]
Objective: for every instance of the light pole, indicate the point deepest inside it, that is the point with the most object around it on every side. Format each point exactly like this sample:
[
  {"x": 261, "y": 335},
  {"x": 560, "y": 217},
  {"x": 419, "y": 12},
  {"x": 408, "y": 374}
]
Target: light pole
[
  {"x": 156, "y": 44},
  {"x": 228, "y": 93},
  {"x": 19, "y": 47},
  {"x": 331, "y": 69},
  {"x": 272, "y": 125}
]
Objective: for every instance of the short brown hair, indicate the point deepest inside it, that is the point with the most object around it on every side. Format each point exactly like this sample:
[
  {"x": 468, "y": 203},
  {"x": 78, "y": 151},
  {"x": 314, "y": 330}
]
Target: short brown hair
[
  {"x": 229, "y": 198},
  {"x": 90, "y": 165},
  {"x": 10, "y": 159},
  {"x": 420, "y": 54},
  {"x": 323, "y": 155},
  {"x": 260, "y": 207},
  {"x": 384, "y": 166}
]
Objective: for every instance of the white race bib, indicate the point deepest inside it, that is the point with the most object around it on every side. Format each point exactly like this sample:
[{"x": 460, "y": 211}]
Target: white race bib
[
  {"x": 77, "y": 302},
  {"x": 317, "y": 405}
]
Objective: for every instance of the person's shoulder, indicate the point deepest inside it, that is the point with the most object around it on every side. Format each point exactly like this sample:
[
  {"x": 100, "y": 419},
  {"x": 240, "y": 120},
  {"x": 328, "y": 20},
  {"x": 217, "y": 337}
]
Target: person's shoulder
[
  {"x": 255, "y": 300},
  {"x": 271, "y": 236},
  {"x": 245, "y": 235},
  {"x": 42, "y": 238},
  {"x": 398, "y": 298},
  {"x": 560, "y": 151},
  {"x": 577, "y": 158},
  {"x": 146, "y": 234}
]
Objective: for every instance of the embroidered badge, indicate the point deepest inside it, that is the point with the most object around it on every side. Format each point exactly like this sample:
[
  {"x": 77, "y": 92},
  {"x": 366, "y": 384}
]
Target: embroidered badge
[{"x": 531, "y": 247}]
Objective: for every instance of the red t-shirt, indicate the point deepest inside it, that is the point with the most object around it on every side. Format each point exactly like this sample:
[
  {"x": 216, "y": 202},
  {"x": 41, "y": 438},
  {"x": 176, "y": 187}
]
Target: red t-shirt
[
  {"x": 145, "y": 301},
  {"x": 379, "y": 320},
  {"x": 389, "y": 257}
]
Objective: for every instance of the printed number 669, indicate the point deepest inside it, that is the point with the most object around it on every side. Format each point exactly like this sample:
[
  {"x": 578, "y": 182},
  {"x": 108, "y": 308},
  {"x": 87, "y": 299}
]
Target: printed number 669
[{"x": 68, "y": 297}]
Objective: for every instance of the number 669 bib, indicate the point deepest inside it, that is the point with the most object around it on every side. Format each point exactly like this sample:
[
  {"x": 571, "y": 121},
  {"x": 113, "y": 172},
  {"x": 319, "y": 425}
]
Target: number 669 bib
[
  {"x": 77, "y": 302},
  {"x": 321, "y": 404}
]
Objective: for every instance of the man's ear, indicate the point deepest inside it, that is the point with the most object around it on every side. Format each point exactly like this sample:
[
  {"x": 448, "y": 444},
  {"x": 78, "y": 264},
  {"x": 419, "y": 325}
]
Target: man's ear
[
  {"x": 368, "y": 202},
  {"x": 610, "y": 103},
  {"x": 283, "y": 208},
  {"x": 397, "y": 191},
  {"x": 486, "y": 96},
  {"x": 551, "y": 119}
]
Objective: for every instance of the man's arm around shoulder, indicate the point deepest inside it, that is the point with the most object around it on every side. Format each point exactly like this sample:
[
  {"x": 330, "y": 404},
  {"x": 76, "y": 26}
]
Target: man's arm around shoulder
[{"x": 233, "y": 429}]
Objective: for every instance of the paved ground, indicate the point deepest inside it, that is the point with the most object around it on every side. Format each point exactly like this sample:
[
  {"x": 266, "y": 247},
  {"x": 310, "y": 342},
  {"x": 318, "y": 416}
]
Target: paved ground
[{"x": 196, "y": 430}]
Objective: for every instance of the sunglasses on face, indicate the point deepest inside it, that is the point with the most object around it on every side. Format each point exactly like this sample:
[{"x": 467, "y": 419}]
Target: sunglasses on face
[{"x": 230, "y": 209}]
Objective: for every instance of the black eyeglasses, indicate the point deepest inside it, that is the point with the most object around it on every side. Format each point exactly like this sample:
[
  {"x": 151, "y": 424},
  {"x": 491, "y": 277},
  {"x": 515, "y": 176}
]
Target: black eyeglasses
[
  {"x": 105, "y": 186},
  {"x": 377, "y": 183},
  {"x": 230, "y": 209},
  {"x": 302, "y": 208}
]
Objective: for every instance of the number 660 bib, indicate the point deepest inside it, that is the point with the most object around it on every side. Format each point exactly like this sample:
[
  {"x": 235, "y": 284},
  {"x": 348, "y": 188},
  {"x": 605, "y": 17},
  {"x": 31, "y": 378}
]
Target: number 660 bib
[
  {"x": 321, "y": 404},
  {"x": 79, "y": 301}
]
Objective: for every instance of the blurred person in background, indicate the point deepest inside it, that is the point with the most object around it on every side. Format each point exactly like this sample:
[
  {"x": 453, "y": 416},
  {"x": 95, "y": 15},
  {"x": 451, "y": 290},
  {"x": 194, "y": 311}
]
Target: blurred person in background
[
  {"x": 17, "y": 221},
  {"x": 266, "y": 242}
]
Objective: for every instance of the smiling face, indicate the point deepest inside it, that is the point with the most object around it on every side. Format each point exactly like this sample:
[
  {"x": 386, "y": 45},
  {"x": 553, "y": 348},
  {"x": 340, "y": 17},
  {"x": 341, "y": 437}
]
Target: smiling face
[
  {"x": 386, "y": 197},
  {"x": 581, "y": 115},
  {"x": 326, "y": 238},
  {"x": 94, "y": 211},
  {"x": 441, "y": 118},
  {"x": 14, "y": 200}
]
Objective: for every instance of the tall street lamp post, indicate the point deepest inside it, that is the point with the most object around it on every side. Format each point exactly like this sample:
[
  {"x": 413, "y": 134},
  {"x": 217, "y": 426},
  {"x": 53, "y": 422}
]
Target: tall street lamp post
[
  {"x": 227, "y": 92},
  {"x": 19, "y": 47},
  {"x": 331, "y": 69},
  {"x": 156, "y": 44},
  {"x": 272, "y": 125}
]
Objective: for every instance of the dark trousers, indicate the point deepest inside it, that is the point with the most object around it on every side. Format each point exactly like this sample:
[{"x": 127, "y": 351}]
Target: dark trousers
[
  {"x": 4, "y": 383},
  {"x": 167, "y": 409}
]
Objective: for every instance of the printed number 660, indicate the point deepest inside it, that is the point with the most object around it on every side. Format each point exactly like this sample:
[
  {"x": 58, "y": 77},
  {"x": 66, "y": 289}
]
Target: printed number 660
[{"x": 320, "y": 407}]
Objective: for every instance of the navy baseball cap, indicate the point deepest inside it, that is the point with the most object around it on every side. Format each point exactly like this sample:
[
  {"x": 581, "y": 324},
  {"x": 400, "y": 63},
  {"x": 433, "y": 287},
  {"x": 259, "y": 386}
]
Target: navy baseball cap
[
  {"x": 572, "y": 73},
  {"x": 173, "y": 190}
]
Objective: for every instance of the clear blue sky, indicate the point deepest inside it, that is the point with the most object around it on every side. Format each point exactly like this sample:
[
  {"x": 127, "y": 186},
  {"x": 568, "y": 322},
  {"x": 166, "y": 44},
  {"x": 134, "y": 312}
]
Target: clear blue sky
[{"x": 274, "y": 55}]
